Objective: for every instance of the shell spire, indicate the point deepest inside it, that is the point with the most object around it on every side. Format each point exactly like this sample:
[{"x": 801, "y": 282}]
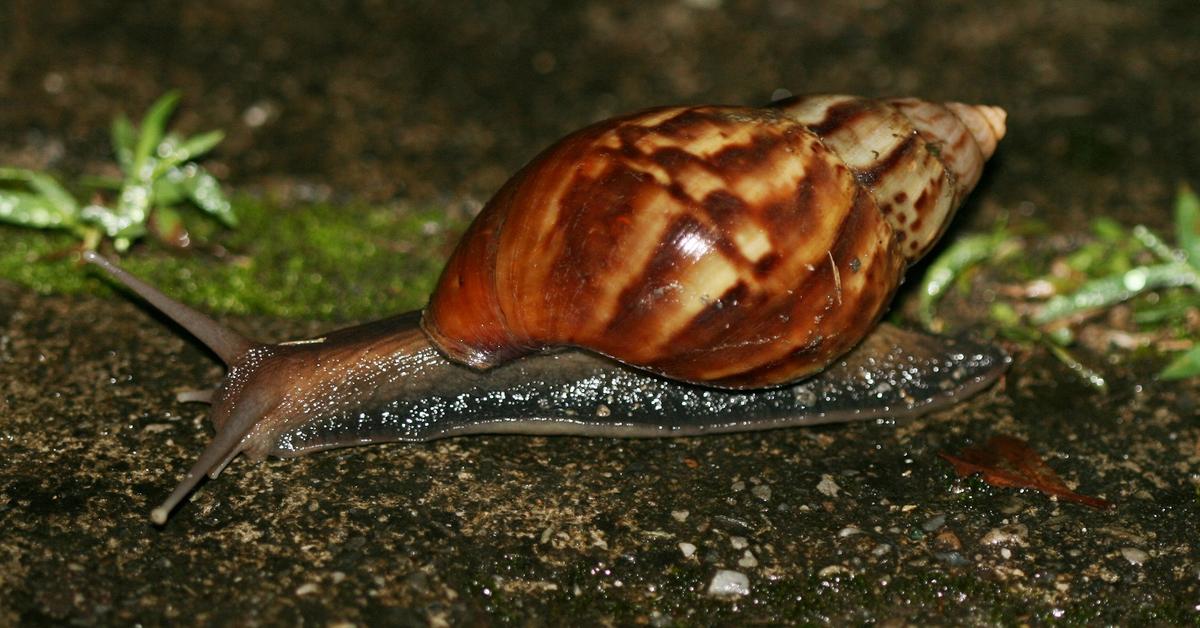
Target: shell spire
[
  {"x": 918, "y": 159},
  {"x": 734, "y": 247}
]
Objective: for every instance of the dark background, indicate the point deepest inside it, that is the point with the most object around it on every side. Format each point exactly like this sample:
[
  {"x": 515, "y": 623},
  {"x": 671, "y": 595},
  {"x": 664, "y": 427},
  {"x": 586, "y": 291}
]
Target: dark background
[{"x": 437, "y": 103}]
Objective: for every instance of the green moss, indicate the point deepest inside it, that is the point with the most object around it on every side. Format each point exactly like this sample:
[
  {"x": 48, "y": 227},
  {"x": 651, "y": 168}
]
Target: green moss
[{"x": 313, "y": 262}]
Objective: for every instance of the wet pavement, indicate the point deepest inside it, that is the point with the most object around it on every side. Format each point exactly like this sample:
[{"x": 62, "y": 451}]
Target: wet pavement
[{"x": 428, "y": 104}]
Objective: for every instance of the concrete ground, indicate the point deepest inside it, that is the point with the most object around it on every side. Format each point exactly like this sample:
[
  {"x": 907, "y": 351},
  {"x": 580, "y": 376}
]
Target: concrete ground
[{"x": 438, "y": 103}]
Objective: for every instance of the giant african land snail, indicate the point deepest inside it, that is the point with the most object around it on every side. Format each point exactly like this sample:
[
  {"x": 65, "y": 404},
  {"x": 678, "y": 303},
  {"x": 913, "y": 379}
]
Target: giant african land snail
[{"x": 725, "y": 253}]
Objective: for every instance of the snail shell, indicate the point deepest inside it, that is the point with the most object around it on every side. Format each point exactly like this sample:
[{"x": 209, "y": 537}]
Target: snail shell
[
  {"x": 711, "y": 248},
  {"x": 728, "y": 246}
]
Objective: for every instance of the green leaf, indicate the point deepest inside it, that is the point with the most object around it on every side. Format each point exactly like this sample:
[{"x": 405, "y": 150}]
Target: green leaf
[
  {"x": 1187, "y": 224},
  {"x": 33, "y": 210},
  {"x": 168, "y": 225},
  {"x": 174, "y": 153},
  {"x": 127, "y": 220},
  {"x": 169, "y": 190},
  {"x": 205, "y": 191},
  {"x": 1109, "y": 230},
  {"x": 1155, "y": 244},
  {"x": 98, "y": 182},
  {"x": 198, "y": 145},
  {"x": 124, "y": 141},
  {"x": 1184, "y": 366},
  {"x": 957, "y": 258},
  {"x": 1089, "y": 375},
  {"x": 45, "y": 186},
  {"x": 1106, "y": 291},
  {"x": 152, "y": 130}
]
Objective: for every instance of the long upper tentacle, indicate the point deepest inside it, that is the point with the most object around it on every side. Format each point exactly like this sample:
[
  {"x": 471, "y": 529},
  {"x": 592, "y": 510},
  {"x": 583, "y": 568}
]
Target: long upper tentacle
[{"x": 226, "y": 343}]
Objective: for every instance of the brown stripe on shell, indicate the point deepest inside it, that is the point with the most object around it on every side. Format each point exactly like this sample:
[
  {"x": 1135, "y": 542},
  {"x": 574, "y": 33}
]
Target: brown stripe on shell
[
  {"x": 888, "y": 157},
  {"x": 886, "y": 164},
  {"x": 727, "y": 217},
  {"x": 840, "y": 116},
  {"x": 757, "y": 338},
  {"x": 830, "y": 328},
  {"x": 949, "y": 139},
  {"x": 679, "y": 166},
  {"x": 635, "y": 330}
]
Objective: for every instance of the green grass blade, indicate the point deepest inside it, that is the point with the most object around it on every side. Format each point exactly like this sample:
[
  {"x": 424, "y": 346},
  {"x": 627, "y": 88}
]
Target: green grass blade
[
  {"x": 127, "y": 220},
  {"x": 957, "y": 259},
  {"x": 46, "y": 187},
  {"x": 124, "y": 142},
  {"x": 33, "y": 210},
  {"x": 169, "y": 190},
  {"x": 1092, "y": 377},
  {"x": 198, "y": 145},
  {"x": 1187, "y": 224},
  {"x": 1184, "y": 366},
  {"x": 1106, "y": 291},
  {"x": 98, "y": 182},
  {"x": 205, "y": 191},
  {"x": 173, "y": 154},
  {"x": 152, "y": 130},
  {"x": 1155, "y": 245}
]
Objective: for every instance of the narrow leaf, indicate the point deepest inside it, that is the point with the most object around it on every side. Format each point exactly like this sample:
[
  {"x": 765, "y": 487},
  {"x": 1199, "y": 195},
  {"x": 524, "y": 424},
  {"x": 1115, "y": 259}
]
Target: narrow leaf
[
  {"x": 1106, "y": 291},
  {"x": 46, "y": 186},
  {"x": 127, "y": 219},
  {"x": 173, "y": 154},
  {"x": 1187, "y": 223},
  {"x": 957, "y": 259},
  {"x": 205, "y": 191},
  {"x": 32, "y": 210},
  {"x": 1184, "y": 366},
  {"x": 152, "y": 130},
  {"x": 124, "y": 141},
  {"x": 169, "y": 190},
  {"x": 197, "y": 145}
]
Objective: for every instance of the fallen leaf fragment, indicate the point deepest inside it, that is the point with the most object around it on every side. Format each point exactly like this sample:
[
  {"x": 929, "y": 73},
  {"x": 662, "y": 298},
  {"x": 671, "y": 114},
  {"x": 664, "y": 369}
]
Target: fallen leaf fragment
[{"x": 1009, "y": 461}]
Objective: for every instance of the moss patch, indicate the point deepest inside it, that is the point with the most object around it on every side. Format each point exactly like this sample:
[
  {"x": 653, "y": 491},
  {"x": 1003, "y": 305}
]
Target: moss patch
[{"x": 312, "y": 262}]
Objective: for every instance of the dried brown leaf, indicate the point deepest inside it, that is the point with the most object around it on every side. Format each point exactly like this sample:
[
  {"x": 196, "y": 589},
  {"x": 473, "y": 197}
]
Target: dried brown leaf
[{"x": 1010, "y": 461}]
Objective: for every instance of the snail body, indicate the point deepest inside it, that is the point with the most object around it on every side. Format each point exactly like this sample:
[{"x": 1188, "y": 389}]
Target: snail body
[{"x": 680, "y": 270}]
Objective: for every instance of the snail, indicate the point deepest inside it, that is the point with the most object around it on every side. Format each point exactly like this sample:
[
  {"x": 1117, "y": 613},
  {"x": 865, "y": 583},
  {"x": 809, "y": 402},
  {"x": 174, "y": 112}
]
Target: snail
[{"x": 675, "y": 271}]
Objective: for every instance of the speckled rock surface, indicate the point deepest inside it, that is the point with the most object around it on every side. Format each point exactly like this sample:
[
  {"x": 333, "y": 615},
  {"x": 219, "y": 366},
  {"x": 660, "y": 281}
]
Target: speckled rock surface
[{"x": 852, "y": 523}]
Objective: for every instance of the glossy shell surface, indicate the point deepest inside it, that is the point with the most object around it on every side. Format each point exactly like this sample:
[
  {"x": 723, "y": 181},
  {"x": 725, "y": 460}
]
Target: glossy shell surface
[{"x": 729, "y": 246}]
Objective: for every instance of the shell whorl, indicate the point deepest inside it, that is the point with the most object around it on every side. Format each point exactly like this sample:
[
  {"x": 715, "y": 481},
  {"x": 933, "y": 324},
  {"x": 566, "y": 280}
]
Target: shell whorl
[
  {"x": 919, "y": 159},
  {"x": 729, "y": 246}
]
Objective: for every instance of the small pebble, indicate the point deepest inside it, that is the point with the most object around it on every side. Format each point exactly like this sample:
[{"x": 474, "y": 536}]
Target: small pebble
[
  {"x": 953, "y": 559},
  {"x": 948, "y": 540},
  {"x": 738, "y": 486},
  {"x": 738, "y": 542},
  {"x": 762, "y": 491},
  {"x": 727, "y": 583},
  {"x": 748, "y": 560},
  {"x": 688, "y": 549},
  {"x": 1135, "y": 556},
  {"x": 1008, "y": 535},
  {"x": 679, "y": 515},
  {"x": 848, "y": 531},
  {"x": 307, "y": 589},
  {"x": 832, "y": 570},
  {"x": 934, "y": 523},
  {"x": 827, "y": 486}
]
